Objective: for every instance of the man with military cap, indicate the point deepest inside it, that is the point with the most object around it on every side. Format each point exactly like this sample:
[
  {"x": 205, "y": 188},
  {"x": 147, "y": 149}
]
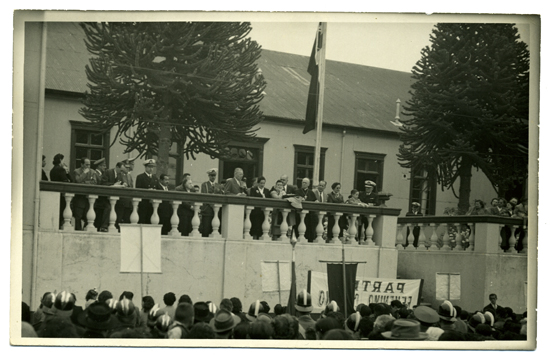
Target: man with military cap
[
  {"x": 303, "y": 308},
  {"x": 427, "y": 317},
  {"x": 149, "y": 181},
  {"x": 370, "y": 198}
]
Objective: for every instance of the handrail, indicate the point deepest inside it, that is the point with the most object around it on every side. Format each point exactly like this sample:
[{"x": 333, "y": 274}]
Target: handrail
[
  {"x": 83, "y": 189},
  {"x": 461, "y": 219}
]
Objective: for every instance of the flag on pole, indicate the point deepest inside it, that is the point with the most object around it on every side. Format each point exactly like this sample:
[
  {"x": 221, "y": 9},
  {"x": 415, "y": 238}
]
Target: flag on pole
[
  {"x": 313, "y": 94},
  {"x": 290, "y": 307},
  {"x": 336, "y": 284}
]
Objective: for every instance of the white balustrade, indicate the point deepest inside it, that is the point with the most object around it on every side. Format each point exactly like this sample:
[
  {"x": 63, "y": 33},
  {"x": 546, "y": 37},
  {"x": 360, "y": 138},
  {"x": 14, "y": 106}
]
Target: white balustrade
[
  {"x": 319, "y": 229},
  {"x": 196, "y": 221},
  {"x": 284, "y": 224},
  {"x": 410, "y": 237},
  {"x": 446, "y": 238},
  {"x": 216, "y": 221},
  {"x": 422, "y": 238},
  {"x": 155, "y": 219},
  {"x": 247, "y": 223},
  {"x": 134, "y": 217},
  {"x": 175, "y": 219},
  {"x": 67, "y": 212},
  {"x": 399, "y": 238},
  {"x": 265, "y": 224},
  {"x": 90, "y": 216},
  {"x": 302, "y": 226},
  {"x": 336, "y": 228},
  {"x": 112, "y": 215},
  {"x": 352, "y": 231},
  {"x": 369, "y": 231},
  {"x": 433, "y": 238}
]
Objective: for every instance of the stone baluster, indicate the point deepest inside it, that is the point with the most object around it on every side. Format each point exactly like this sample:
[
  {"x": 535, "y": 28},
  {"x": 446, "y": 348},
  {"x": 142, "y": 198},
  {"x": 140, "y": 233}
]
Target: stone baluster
[
  {"x": 112, "y": 215},
  {"x": 410, "y": 237},
  {"x": 433, "y": 238},
  {"x": 302, "y": 226},
  {"x": 500, "y": 228},
  {"x": 399, "y": 238},
  {"x": 284, "y": 223},
  {"x": 422, "y": 238},
  {"x": 90, "y": 216},
  {"x": 472, "y": 238},
  {"x": 265, "y": 224},
  {"x": 216, "y": 221},
  {"x": 458, "y": 238},
  {"x": 352, "y": 231},
  {"x": 175, "y": 219},
  {"x": 247, "y": 223},
  {"x": 369, "y": 232},
  {"x": 319, "y": 230},
  {"x": 196, "y": 221},
  {"x": 68, "y": 213},
  {"x": 134, "y": 217},
  {"x": 446, "y": 238},
  {"x": 155, "y": 219},
  {"x": 512, "y": 241},
  {"x": 524, "y": 240},
  {"x": 336, "y": 227}
]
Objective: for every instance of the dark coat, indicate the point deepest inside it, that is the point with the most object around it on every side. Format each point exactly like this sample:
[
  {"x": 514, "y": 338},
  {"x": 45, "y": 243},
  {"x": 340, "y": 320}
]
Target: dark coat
[
  {"x": 371, "y": 199},
  {"x": 144, "y": 181},
  {"x": 59, "y": 174},
  {"x": 308, "y": 195}
]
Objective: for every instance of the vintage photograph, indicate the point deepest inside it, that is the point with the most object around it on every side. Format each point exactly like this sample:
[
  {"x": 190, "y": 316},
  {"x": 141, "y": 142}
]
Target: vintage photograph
[{"x": 357, "y": 181}]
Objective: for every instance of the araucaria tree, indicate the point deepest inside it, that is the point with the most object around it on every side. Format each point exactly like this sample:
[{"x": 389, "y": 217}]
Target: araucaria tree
[
  {"x": 195, "y": 83},
  {"x": 469, "y": 108}
]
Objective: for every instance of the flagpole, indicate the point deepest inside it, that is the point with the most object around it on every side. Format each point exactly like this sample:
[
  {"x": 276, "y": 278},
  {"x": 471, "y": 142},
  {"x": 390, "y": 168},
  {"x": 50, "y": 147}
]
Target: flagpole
[{"x": 317, "y": 157}]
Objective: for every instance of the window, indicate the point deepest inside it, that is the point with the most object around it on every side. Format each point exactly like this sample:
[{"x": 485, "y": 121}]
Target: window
[
  {"x": 423, "y": 190},
  {"x": 248, "y": 156},
  {"x": 369, "y": 166},
  {"x": 447, "y": 286},
  {"x": 304, "y": 160},
  {"x": 87, "y": 141}
]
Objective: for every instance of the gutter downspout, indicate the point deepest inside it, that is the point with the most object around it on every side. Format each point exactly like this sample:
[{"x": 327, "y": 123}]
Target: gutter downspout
[{"x": 39, "y": 144}]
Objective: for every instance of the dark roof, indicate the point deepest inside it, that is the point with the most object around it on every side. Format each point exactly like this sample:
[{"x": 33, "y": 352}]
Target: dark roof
[{"x": 355, "y": 95}]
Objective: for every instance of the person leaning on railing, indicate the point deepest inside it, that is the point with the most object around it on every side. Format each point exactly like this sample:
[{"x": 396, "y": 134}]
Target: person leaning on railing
[{"x": 336, "y": 197}]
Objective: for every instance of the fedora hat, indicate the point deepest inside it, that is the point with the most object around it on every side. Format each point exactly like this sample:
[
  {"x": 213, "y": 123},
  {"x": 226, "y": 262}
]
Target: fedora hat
[
  {"x": 202, "y": 312},
  {"x": 426, "y": 314},
  {"x": 476, "y": 319},
  {"x": 224, "y": 321},
  {"x": 447, "y": 311},
  {"x": 303, "y": 302},
  {"x": 97, "y": 317},
  {"x": 405, "y": 329}
]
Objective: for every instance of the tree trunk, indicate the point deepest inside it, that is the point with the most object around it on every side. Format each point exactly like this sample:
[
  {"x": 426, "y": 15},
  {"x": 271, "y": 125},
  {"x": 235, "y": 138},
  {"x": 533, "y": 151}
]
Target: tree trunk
[
  {"x": 465, "y": 173},
  {"x": 165, "y": 141}
]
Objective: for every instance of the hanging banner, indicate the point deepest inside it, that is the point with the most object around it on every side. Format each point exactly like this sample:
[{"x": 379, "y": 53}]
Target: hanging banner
[{"x": 367, "y": 290}]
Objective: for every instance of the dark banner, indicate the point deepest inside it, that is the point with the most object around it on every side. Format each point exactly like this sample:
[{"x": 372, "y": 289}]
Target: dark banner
[{"x": 336, "y": 284}]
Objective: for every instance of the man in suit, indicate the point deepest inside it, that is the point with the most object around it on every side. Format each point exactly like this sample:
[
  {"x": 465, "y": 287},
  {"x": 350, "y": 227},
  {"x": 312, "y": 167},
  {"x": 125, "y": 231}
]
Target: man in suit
[
  {"x": 99, "y": 166},
  {"x": 165, "y": 208},
  {"x": 148, "y": 181},
  {"x": 319, "y": 192},
  {"x": 207, "y": 211},
  {"x": 311, "y": 218},
  {"x": 493, "y": 308},
  {"x": 288, "y": 188},
  {"x": 114, "y": 177},
  {"x": 83, "y": 175},
  {"x": 235, "y": 186},
  {"x": 129, "y": 165},
  {"x": 414, "y": 212},
  {"x": 371, "y": 199}
]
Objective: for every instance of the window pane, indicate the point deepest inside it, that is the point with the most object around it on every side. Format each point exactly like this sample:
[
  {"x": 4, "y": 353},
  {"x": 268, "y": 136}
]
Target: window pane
[
  {"x": 97, "y": 139},
  {"x": 81, "y": 137},
  {"x": 361, "y": 165},
  {"x": 80, "y": 153},
  {"x": 302, "y": 172},
  {"x": 96, "y": 154},
  {"x": 302, "y": 158}
]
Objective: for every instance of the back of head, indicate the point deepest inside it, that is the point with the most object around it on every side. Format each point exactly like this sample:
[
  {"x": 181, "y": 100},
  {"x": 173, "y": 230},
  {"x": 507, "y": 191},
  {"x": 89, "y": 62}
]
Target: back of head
[
  {"x": 338, "y": 334},
  {"x": 126, "y": 295},
  {"x": 285, "y": 327},
  {"x": 484, "y": 330},
  {"x": 185, "y": 298},
  {"x": 365, "y": 311},
  {"x": 237, "y": 305},
  {"x": 226, "y": 304},
  {"x": 104, "y": 296},
  {"x": 396, "y": 304},
  {"x": 266, "y": 306},
  {"x": 260, "y": 330},
  {"x": 185, "y": 313},
  {"x": 240, "y": 332},
  {"x": 365, "y": 326},
  {"x": 279, "y": 309},
  {"x": 338, "y": 316},
  {"x": 201, "y": 330},
  {"x": 381, "y": 322},
  {"x": 57, "y": 327},
  {"x": 169, "y": 298},
  {"x": 452, "y": 335},
  {"x": 147, "y": 302},
  {"x": 323, "y": 326},
  {"x": 92, "y": 294}
]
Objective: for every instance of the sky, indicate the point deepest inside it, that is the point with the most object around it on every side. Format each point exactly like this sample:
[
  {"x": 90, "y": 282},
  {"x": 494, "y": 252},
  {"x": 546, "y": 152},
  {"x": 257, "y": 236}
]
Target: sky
[{"x": 391, "y": 43}]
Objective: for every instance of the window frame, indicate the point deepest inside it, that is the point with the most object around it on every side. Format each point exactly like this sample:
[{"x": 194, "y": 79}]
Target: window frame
[
  {"x": 258, "y": 144},
  {"x": 431, "y": 184},
  {"x": 306, "y": 149},
  {"x": 361, "y": 155},
  {"x": 90, "y": 127}
]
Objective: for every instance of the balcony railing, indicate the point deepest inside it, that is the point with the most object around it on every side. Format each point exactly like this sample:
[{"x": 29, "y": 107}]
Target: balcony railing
[
  {"x": 235, "y": 223},
  {"x": 480, "y": 234}
]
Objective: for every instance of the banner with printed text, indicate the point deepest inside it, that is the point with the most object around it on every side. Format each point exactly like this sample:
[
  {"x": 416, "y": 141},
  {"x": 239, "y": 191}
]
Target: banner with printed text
[{"x": 367, "y": 290}]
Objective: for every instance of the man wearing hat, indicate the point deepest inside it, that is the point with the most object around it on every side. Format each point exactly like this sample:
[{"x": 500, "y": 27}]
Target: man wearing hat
[
  {"x": 115, "y": 177},
  {"x": 370, "y": 198},
  {"x": 207, "y": 211},
  {"x": 255, "y": 308},
  {"x": 303, "y": 308},
  {"x": 98, "y": 320},
  {"x": 405, "y": 329},
  {"x": 148, "y": 181},
  {"x": 223, "y": 323},
  {"x": 129, "y": 164},
  {"x": 414, "y": 212},
  {"x": 202, "y": 312},
  {"x": 426, "y": 316}
]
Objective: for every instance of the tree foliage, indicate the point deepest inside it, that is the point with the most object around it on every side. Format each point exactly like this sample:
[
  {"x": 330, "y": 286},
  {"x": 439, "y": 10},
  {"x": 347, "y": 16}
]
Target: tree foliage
[
  {"x": 195, "y": 83},
  {"x": 469, "y": 107}
]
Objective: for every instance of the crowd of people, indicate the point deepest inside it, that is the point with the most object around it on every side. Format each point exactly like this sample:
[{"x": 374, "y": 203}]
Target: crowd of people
[
  {"x": 122, "y": 175},
  {"x": 103, "y": 316}
]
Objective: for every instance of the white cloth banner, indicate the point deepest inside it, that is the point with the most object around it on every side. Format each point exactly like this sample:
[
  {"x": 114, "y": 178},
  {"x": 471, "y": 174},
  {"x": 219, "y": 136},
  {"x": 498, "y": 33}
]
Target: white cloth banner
[
  {"x": 367, "y": 291},
  {"x": 140, "y": 243}
]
